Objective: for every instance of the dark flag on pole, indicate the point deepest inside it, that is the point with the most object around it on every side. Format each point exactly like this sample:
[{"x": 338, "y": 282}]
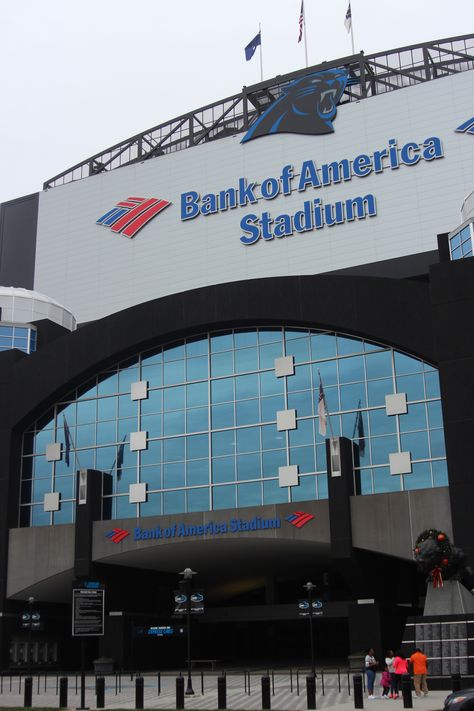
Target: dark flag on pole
[
  {"x": 359, "y": 428},
  {"x": 348, "y": 19},
  {"x": 67, "y": 441},
  {"x": 301, "y": 21},
  {"x": 120, "y": 453},
  {"x": 252, "y": 46}
]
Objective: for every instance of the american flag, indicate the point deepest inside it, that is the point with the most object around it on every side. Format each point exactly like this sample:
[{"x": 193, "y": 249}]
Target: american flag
[
  {"x": 322, "y": 411},
  {"x": 348, "y": 20},
  {"x": 301, "y": 21}
]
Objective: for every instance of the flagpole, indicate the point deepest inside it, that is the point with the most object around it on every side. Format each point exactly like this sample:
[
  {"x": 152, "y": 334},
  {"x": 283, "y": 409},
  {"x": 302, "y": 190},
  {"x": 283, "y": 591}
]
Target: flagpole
[
  {"x": 261, "y": 60},
  {"x": 352, "y": 35},
  {"x": 305, "y": 43}
]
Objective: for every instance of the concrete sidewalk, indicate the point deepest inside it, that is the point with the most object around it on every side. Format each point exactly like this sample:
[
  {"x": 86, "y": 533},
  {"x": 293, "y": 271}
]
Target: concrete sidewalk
[{"x": 287, "y": 695}]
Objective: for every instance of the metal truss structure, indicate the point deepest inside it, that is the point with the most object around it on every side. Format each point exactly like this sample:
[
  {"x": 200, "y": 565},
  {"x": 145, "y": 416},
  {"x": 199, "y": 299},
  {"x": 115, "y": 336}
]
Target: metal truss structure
[{"x": 368, "y": 76}]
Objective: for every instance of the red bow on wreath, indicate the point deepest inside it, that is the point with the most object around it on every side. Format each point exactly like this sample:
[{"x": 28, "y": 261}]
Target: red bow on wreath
[{"x": 436, "y": 577}]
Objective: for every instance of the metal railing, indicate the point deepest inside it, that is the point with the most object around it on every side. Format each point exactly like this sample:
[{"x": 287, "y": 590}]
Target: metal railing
[{"x": 368, "y": 76}]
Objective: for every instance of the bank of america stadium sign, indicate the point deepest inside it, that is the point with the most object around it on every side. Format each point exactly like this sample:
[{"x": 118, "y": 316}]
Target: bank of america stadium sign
[
  {"x": 308, "y": 177},
  {"x": 180, "y": 529},
  {"x": 307, "y": 106}
]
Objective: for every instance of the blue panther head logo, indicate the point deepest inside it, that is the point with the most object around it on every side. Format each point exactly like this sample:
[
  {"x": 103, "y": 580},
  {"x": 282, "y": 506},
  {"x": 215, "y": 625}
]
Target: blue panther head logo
[{"x": 307, "y": 105}]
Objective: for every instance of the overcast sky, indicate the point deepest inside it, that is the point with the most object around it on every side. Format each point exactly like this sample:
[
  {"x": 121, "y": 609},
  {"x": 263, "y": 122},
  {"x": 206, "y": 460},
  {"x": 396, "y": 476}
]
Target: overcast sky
[{"x": 78, "y": 77}]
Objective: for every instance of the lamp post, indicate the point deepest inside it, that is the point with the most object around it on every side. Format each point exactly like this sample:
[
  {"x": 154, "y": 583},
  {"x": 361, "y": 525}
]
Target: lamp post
[
  {"x": 186, "y": 584},
  {"x": 309, "y": 587},
  {"x": 31, "y": 602}
]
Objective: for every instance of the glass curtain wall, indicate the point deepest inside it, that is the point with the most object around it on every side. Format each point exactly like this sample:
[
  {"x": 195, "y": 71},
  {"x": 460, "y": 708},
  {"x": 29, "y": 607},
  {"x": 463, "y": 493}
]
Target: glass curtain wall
[{"x": 210, "y": 421}]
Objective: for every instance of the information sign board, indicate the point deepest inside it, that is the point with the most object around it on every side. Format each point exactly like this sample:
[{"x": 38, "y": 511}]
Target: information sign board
[{"x": 87, "y": 612}]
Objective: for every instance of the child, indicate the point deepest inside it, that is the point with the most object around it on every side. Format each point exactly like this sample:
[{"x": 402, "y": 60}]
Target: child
[{"x": 385, "y": 682}]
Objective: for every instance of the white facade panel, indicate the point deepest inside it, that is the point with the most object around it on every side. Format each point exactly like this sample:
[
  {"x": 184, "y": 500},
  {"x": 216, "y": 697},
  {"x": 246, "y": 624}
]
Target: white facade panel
[{"x": 95, "y": 272}]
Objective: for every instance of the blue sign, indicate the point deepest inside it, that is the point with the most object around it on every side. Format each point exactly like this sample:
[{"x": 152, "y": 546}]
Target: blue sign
[
  {"x": 309, "y": 176},
  {"x": 213, "y": 528}
]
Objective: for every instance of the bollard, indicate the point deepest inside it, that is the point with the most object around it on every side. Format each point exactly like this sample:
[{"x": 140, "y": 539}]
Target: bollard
[
  {"x": 180, "y": 692},
  {"x": 291, "y": 680},
  {"x": 28, "y": 696},
  {"x": 297, "y": 682},
  {"x": 159, "y": 683},
  {"x": 358, "y": 691},
  {"x": 311, "y": 692},
  {"x": 266, "y": 700},
  {"x": 202, "y": 683},
  {"x": 221, "y": 692},
  {"x": 406, "y": 692},
  {"x": 63, "y": 692},
  {"x": 100, "y": 692},
  {"x": 322, "y": 681},
  {"x": 273, "y": 683},
  {"x": 139, "y": 692},
  {"x": 456, "y": 682}
]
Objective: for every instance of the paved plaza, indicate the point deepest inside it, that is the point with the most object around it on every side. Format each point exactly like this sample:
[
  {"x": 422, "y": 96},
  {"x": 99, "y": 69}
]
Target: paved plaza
[{"x": 288, "y": 692}]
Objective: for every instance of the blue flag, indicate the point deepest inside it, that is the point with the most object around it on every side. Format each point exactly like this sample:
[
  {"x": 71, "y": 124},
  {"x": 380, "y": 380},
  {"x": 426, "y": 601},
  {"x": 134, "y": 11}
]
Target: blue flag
[
  {"x": 252, "y": 46},
  {"x": 67, "y": 441}
]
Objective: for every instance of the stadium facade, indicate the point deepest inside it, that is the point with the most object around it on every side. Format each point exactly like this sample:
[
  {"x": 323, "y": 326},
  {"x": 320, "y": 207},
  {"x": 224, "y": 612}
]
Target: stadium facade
[{"x": 220, "y": 280}]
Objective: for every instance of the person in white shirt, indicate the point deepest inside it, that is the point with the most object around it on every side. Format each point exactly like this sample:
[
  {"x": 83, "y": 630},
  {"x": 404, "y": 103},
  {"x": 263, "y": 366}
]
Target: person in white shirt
[
  {"x": 370, "y": 668},
  {"x": 389, "y": 662}
]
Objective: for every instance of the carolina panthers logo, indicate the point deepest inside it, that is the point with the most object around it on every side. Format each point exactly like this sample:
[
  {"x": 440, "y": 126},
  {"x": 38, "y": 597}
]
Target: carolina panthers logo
[{"x": 307, "y": 105}]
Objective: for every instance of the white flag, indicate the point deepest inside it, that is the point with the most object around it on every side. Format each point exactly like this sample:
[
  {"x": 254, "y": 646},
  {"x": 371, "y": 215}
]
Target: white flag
[
  {"x": 348, "y": 20},
  {"x": 322, "y": 410}
]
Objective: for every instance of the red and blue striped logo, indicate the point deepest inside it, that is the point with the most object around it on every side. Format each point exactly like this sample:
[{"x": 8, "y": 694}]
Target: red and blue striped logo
[
  {"x": 117, "y": 534},
  {"x": 130, "y": 215},
  {"x": 299, "y": 518},
  {"x": 466, "y": 127}
]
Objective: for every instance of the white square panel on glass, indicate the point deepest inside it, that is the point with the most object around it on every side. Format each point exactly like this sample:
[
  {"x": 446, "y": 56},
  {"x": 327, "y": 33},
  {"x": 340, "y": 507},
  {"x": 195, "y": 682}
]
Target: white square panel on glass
[
  {"x": 284, "y": 366},
  {"x": 53, "y": 452},
  {"x": 139, "y": 390},
  {"x": 286, "y": 420},
  {"x": 288, "y": 476},
  {"x": 51, "y": 501},
  {"x": 400, "y": 463},
  {"x": 137, "y": 441},
  {"x": 137, "y": 493},
  {"x": 396, "y": 404}
]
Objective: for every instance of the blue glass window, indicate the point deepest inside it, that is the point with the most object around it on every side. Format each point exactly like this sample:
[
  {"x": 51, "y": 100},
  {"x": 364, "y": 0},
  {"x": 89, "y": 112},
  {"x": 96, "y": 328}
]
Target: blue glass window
[
  {"x": 241, "y": 466},
  {"x": 174, "y": 475},
  {"x": 224, "y": 497},
  {"x": 198, "y": 499},
  {"x": 249, "y": 494},
  {"x": 174, "y": 502},
  {"x": 273, "y": 493},
  {"x": 197, "y": 472},
  {"x": 223, "y": 469},
  {"x": 306, "y": 489}
]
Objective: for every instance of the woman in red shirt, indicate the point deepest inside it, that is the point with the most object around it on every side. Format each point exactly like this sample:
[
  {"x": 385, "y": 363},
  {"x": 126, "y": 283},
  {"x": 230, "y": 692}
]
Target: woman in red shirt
[{"x": 400, "y": 667}]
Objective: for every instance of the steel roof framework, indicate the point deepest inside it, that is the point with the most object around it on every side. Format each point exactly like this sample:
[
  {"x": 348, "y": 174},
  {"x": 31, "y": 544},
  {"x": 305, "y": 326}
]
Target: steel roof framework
[{"x": 369, "y": 75}]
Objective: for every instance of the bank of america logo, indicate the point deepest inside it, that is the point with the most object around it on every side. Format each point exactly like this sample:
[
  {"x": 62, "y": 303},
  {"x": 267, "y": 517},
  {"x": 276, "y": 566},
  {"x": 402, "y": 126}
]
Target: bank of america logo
[
  {"x": 117, "y": 534},
  {"x": 299, "y": 519},
  {"x": 130, "y": 215},
  {"x": 466, "y": 127}
]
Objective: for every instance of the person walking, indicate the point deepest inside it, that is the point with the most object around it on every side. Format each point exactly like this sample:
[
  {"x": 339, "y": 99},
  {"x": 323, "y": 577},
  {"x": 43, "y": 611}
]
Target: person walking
[
  {"x": 389, "y": 662},
  {"x": 370, "y": 669},
  {"x": 420, "y": 670},
  {"x": 400, "y": 667}
]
